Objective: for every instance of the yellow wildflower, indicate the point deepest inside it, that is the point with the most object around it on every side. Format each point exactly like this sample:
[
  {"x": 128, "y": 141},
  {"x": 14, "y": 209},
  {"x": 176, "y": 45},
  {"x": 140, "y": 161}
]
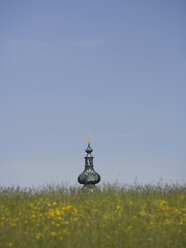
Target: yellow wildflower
[
  {"x": 58, "y": 212},
  {"x": 39, "y": 235},
  {"x": 142, "y": 213},
  {"x": 53, "y": 234}
]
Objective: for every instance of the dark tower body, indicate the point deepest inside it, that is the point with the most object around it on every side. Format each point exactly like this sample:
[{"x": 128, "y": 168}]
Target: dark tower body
[{"x": 89, "y": 177}]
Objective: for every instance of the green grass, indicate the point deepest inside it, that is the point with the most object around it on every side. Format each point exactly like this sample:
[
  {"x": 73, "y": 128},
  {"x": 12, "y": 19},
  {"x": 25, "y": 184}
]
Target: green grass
[{"x": 55, "y": 216}]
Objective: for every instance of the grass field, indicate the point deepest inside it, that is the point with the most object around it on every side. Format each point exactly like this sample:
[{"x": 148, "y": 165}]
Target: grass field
[{"x": 131, "y": 216}]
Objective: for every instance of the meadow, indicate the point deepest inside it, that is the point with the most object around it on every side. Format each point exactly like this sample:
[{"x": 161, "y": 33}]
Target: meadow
[{"x": 114, "y": 216}]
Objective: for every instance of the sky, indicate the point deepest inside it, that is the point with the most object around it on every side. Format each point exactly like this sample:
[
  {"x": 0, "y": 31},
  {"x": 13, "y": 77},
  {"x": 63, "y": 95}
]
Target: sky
[{"x": 113, "y": 68}]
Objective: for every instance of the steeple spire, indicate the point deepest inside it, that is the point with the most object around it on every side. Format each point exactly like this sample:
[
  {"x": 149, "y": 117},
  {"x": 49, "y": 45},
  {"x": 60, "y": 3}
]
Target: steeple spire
[{"x": 89, "y": 177}]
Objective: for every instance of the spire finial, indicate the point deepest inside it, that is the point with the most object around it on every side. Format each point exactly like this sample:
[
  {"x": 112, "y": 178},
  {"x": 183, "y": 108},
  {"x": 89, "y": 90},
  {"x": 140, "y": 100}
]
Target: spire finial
[{"x": 88, "y": 138}]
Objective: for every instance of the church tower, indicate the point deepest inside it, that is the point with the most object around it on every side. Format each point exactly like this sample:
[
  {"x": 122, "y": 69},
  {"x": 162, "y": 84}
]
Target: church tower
[{"x": 89, "y": 177}]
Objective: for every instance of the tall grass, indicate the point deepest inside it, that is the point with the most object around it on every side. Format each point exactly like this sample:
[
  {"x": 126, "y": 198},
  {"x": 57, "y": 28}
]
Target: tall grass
[{"x": 114, "y": 216}]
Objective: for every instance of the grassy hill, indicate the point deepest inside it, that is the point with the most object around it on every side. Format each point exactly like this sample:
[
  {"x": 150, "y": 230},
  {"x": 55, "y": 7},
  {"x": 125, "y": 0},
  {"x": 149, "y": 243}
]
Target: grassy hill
[{"x": 55, "y": 216}]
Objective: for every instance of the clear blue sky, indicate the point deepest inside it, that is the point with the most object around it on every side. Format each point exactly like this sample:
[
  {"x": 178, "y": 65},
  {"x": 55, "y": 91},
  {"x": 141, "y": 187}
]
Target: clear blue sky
[{"x": 116, "y": 69}]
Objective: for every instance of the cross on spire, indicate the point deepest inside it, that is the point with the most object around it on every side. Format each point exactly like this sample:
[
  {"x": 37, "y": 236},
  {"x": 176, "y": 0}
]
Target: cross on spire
[{"x": 88, "y": 138}]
